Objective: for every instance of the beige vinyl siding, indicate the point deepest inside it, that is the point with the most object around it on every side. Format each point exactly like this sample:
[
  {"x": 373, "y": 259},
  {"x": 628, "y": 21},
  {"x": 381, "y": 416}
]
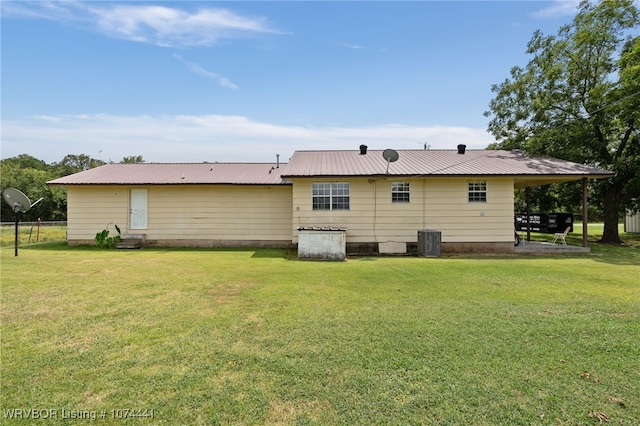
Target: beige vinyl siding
[
  {"x": 90, "y": 209},
  {"x": 448, "y": 210},
  {"x": 229, "y": 212},
  {"x": 436, "y": 203},
  {"x": 357, "y": 219},
  {"x": 198, "y": 212}
]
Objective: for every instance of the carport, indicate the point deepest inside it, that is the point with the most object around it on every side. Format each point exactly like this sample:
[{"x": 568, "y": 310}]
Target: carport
[{"x": 527, "y": 183}]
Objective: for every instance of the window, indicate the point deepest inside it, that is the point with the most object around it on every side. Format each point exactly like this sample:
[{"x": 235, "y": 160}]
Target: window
[
  {"x": 330, "y": 196},
  {"x": 400, "y": 192},
  {"x": 478, "y": 192}
]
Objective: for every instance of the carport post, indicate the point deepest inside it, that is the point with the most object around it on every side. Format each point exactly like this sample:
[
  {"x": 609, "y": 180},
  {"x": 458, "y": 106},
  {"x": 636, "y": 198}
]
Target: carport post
[
  {"x": 585, "y": 206},
  {"x": 527, "y": 196}
]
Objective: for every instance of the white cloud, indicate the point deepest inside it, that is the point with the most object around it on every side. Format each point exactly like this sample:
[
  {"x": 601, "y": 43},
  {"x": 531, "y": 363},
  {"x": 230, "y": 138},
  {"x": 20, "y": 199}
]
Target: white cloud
[
  {"x": 222, "y": 81},
  {"x": 167, "y": 26},
  {"x": 51, "y": 118},
  {"x": 198, "y": 138},
  {"x": 558, "y": 9},
  {"x": 350, "y": 46},
  {"x": 49, "y": 10},
  {"x": 159, "y": 25}
]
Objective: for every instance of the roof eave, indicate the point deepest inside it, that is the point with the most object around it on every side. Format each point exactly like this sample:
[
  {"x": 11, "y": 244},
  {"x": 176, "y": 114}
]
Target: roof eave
[
  {"x": 53, "y": 183},
  {"x": 525, "y": 181}
]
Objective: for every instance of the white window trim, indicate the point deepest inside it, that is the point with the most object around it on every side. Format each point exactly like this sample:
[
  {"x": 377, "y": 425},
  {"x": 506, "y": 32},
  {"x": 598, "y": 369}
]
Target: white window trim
[
  {"x": 477, "y": 191},
  {"x": 333, "y": 194},
  {"x": 401, "y": 192}
]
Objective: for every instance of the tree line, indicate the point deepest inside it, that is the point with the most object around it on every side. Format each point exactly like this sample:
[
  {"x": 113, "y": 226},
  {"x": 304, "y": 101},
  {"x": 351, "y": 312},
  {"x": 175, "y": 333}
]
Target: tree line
[{"x": 30, "y": 175}]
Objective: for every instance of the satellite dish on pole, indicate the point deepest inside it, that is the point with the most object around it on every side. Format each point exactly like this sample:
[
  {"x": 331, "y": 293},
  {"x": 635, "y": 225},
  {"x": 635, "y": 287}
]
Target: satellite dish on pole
[
  {"x": 390, "y": 155},
  {"x": 20, "y": 203}
]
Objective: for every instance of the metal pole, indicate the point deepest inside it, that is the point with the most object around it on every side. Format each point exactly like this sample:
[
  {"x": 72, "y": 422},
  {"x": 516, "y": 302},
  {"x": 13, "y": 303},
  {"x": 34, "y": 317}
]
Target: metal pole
[
  {"x": 585, "y": 205},
  {"x": 16, "y": 248}
]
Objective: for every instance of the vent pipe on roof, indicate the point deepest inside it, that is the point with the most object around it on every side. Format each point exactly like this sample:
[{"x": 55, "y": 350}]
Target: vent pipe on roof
[
  {"x": 363, "y": 150},
  {"x": 277, "y": 161},
  {"x": 461, "y": 148}
]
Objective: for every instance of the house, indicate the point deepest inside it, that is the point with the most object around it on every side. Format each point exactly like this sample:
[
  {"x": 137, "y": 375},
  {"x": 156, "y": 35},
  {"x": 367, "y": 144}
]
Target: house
[{"x": 467, "y": 195}]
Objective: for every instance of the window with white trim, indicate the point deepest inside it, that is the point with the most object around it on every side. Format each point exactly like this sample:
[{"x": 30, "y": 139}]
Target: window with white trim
[
  {"x": 478, "y": 192},
  {"x": 400, "y": 192},
  {"x": 330, "y": 195}
]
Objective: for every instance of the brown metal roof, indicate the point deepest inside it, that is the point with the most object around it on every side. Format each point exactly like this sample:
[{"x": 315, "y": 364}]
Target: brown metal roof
[
  {"x": 527, "y": 170},
  {"x": 177, "y": 174}
]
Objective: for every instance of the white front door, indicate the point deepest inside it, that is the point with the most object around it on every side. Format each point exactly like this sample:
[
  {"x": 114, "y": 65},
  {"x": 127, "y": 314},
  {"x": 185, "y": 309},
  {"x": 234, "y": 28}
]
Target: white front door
[{"x": 138, "y": 210}]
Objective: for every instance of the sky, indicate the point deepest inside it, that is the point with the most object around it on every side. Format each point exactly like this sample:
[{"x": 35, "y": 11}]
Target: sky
[{"x": 246, "y": 81}]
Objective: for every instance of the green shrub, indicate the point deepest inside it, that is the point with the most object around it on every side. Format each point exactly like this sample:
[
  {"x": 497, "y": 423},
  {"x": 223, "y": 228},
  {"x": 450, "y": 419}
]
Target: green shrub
[{"x": 104, "y": 240}]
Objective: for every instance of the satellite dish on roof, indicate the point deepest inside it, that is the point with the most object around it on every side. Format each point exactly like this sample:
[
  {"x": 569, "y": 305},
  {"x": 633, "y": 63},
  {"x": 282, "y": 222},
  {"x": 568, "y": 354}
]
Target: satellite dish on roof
[
  {"x": 390, "y": 155},
  {"x": 20, "y": 203}
]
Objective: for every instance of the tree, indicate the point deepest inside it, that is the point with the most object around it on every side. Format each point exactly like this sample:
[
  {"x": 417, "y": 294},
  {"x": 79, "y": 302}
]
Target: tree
[
  {"x": 25, "y": 161},
  {"x": 73, "y": 163},
  {"x": 578, "y": 99},
  {"x": 133, "y": 159}
]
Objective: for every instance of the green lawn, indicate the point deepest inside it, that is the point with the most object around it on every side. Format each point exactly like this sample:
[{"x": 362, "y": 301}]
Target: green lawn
[{"x": 258, "y": 337}]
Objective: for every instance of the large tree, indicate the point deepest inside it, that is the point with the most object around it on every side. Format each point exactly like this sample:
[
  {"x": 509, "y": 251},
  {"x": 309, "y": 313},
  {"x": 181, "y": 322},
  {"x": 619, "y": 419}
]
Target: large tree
[{"x": 578, "y": 99}]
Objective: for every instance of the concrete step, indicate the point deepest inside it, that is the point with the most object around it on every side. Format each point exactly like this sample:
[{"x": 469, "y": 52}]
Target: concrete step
[
  {"x": 128, "y": 245},
  {"x": 131, "y": 241}
]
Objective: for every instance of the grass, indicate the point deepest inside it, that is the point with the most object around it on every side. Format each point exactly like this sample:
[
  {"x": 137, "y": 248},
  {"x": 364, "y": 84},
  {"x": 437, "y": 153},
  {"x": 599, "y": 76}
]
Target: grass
[
  {"x": 30, "y": 234},
  {"x": 258, "y": 337}
]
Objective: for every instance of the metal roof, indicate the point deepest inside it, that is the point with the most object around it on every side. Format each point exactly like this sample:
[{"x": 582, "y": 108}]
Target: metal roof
[
  {"x": 177, "y": 174},
  {"x": 526, "y": 170}
]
